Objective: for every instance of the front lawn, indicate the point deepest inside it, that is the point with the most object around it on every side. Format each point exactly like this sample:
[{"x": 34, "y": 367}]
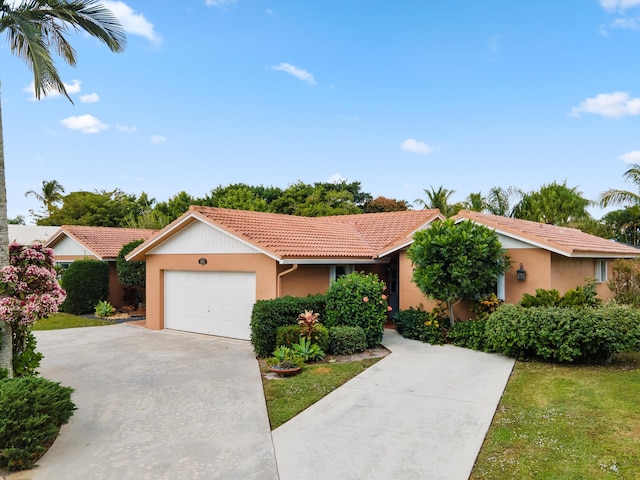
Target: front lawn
[
  {"x": 65, "y": 320},
  {"x": 566, "y": 422},
  {"x": 287, "y": 397}
]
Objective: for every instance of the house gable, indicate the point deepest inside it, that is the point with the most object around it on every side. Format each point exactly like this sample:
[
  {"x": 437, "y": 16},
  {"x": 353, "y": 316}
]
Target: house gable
[
  {"x": 200, "y": 238},
  {"x": 512, "y": 243},
  {"x": 68, "y": 247}
]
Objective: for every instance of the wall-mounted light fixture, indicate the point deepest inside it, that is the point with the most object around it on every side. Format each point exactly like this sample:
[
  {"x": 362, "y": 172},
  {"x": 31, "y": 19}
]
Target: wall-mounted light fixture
[
  {"x": 521, "y": 273},
  {"x": 202, "y": 261}
]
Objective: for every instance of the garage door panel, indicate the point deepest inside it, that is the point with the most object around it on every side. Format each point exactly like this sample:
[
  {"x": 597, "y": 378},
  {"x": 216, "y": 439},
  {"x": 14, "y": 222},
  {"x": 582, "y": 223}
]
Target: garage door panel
[{"x": 214, "y": 303}]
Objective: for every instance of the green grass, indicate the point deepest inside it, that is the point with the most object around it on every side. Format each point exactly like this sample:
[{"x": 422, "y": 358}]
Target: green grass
[
  {"x": 65, "y": 320},
  {"x": 566, "y": 422},
  {"x": 289, "y": 396}
]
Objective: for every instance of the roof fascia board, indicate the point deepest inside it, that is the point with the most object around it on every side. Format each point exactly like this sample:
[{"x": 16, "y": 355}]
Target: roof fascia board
[{"x": 330, "y": 261}]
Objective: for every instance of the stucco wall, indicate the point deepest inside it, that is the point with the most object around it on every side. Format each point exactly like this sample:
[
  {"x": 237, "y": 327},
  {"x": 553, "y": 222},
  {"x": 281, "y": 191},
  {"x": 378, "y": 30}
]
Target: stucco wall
[
  {"x": 410, "y": 294},
  {"x": 537, "y": 263},
  {"x": 305, "y": 280},
  {"x": 263, "y": 266},
  {"x": 569, "y": 273}
]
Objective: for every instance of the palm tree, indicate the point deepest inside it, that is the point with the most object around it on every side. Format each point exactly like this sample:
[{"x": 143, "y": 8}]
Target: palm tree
[
  {"x": 623, "y": 197},
  {"x": 50, "y": 194},
  {"x": 35, "y": 28},
  {"x": 440, "y": 199}
]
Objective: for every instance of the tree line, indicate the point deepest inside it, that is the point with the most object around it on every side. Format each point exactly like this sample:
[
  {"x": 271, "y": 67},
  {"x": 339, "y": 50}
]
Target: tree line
[{"x": 554, "y": 203}]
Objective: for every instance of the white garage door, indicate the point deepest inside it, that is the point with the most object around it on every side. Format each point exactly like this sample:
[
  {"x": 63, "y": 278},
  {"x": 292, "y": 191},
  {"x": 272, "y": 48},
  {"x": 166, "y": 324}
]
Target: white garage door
[{"x": 215, "y": 303}]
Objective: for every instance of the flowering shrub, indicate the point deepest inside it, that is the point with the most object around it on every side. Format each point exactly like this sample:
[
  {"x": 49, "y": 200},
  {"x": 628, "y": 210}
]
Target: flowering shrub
[
  {"x": 30, "y": 285},
  {"x": 357, "y": 300},
  {"x": 31, "y": 292}
]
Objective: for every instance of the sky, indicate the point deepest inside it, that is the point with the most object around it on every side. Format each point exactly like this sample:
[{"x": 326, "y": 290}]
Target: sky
[{"x": 399, "y": 95}]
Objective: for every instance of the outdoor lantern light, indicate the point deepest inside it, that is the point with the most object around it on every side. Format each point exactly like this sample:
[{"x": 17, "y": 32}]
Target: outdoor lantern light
[
  {"x": 203, "y": 261},
  {"x": 521, "y": 273}
]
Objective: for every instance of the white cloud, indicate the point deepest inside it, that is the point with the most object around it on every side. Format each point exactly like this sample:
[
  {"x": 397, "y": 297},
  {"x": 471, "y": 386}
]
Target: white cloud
[
  {"x": 613, "y": 5},
  {"x": 416, "y": 146},
  {"x": 158, "y": 139},
  {"x": 124, "y": 128},
  {"x": 631, "y": 157},
  {"x": 296, "y": 72},
  {"x": 71, "y": 88},
  {"x": 85, "y": 124},
  {"x": 90, "y": 98},
  {"x": 219, "y": 3},
  {"x": 336, "y": 178},
  {"x": 608, "y": 105},
  {"x": 132, "y": 22}
]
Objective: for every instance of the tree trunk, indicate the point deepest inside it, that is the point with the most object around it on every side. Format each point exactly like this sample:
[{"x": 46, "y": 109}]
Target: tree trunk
[
  {"x": 6, "y": 347},
  {"x": 452, "y": 319}
]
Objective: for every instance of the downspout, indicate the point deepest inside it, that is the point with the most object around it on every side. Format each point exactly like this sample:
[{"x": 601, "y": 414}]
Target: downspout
[{"x": 282, "y": 274}]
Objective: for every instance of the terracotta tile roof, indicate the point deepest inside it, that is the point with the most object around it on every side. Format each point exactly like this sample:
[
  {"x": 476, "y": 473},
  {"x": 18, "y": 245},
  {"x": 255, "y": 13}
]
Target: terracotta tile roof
[
  {"x": 104, "y": 242},
  {"x": 344, "y": 236},
  {"x": 564, "y": 240}
]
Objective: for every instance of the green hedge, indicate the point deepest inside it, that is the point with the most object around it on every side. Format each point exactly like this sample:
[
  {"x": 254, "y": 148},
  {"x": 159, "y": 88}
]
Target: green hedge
[
  {"x": 345, "y": 340},
  {"x": 588, "y": 335},
  {"x": 268, "y": 315},
  {"x": 418, "y": 324},
  {"x": 469, "y": 334},
  {"x": 86, "y": 283},
  {"x": 31, "y": 412}
]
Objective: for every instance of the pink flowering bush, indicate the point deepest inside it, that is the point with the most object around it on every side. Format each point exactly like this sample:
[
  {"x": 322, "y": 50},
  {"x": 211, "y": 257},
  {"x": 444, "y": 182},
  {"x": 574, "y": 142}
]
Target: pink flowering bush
[
  {"x": 30, "y": 285},
  {"x": 30, "y": 291}
]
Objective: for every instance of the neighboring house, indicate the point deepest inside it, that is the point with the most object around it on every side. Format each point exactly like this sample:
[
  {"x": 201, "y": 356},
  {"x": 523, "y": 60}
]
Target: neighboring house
[
  {"x": 30, "y": 234},
  {"x": 207, "y": 268},
  {"x": 74, "y": 242},
  {"x": 549, "y": 257}
]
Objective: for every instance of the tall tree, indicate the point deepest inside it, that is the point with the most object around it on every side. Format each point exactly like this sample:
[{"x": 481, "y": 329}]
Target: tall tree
[
  {"x": 50, "y": 195},
  {"x": 554, "y": 204},
  {"x": 34, "y": 28},
  {"x": 623, "y": 197}
]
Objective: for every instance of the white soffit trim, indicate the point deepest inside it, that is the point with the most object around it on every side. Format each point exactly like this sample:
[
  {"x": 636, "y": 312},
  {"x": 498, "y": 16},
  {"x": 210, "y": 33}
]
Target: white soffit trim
[{"x": 330, "y": 261}]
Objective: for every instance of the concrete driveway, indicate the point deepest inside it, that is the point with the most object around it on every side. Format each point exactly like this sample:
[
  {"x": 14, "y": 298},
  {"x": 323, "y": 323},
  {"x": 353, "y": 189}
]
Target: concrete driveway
[{"x": 155, "y": 405}]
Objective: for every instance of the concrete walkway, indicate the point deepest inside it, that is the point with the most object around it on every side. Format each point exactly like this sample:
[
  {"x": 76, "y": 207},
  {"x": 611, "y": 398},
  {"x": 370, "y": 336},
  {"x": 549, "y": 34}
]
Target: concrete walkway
[{"x": 420, "y": 413}]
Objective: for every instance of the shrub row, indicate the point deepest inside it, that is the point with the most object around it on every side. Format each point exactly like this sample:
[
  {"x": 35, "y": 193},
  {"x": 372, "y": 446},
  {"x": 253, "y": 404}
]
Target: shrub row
[
  {"x": 586, "y": 335},
  {"x": 418, "y": 324},
  {"x": 589, "y": 335},
  {"x": 340, "y": 340},
  {"x": 268, "y": 315},
  {"x": 32, "y": 409}
]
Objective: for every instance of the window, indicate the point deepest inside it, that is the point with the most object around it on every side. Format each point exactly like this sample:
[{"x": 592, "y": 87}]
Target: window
[
  {"x": 338, "y": 271},
  {"x": 601, "y": 270},
  {"x": 500, "y": 288}
]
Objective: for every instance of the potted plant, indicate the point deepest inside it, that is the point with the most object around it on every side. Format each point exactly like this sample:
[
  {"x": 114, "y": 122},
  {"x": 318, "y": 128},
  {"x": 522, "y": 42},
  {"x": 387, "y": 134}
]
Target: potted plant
[{"x": 285, "y": 362}]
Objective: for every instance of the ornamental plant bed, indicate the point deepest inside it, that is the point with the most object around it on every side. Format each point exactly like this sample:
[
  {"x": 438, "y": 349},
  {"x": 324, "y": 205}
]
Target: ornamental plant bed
[{"x": 371, "y": 353}]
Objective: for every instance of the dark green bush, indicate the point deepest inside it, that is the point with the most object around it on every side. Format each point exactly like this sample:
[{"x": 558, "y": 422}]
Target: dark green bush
[
  {"x": 410, "y": 323},
  {"x": 32, "y": 409},
  {"x": 588, "y": 335},
  {"x": 320, "y": 337},
  {"x": 268, "y": 315},
  {"x": 287, "y": 335},
  {"x": 345, "y": 340},
  {"x": 418, "y": 324},
  {"x": 469, "y": 334},
  {"x": 580, "y": 297},
  {"x": 86, "y": 283},
  {"x": 357, "y": 300}
]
